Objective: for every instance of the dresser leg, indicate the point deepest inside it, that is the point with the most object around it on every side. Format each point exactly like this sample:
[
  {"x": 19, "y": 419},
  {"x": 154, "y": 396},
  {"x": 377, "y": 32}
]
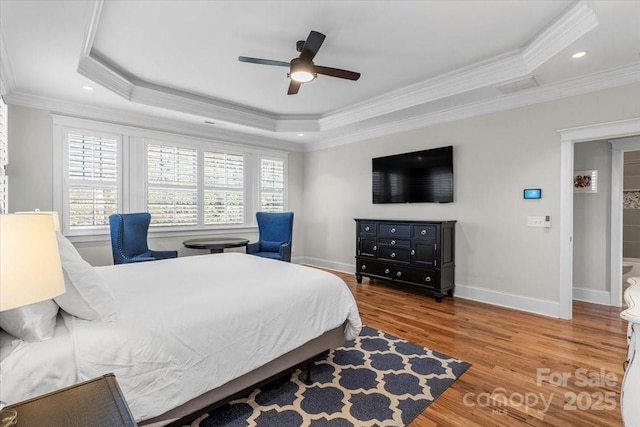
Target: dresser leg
[
  {"x": 359, "y": 278},
  {"x": 438, "y": 297},
  {"x": 450, "y": 292}
]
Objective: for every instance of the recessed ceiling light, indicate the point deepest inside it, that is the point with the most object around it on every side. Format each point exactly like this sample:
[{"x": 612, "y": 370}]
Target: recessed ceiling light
[
  {"x": 301, "y": 134},
  {"x": 579, "y": 54},
  {"x": 89, "y": 88}
]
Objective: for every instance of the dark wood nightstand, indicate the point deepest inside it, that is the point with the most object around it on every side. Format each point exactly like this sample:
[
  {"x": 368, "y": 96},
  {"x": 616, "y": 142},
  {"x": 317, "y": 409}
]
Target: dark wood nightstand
[{"x": 94, "y": 403}]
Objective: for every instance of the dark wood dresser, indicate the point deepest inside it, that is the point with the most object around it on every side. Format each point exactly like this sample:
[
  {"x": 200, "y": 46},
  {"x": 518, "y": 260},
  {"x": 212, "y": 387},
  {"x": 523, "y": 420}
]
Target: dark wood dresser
[{"x": 420, "y": 253}]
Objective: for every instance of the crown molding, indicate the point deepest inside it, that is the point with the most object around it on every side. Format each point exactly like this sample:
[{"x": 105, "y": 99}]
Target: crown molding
[
  {"x": 7, "y": 81},
  {"x": 298, "y": 124},
  {"x": 599, "y": 81},
  {"x": 94, "y": 11},
  {"x": 478, "y": 76},
  {"x": 185, "y": 102},
  {"x": 99, "y": 72},
  {"x": 115, "y": 116},
  {"x": 574, "y": 23},
  {"x": 623, "y": 128},
  {"x": 577, "y": 21}
]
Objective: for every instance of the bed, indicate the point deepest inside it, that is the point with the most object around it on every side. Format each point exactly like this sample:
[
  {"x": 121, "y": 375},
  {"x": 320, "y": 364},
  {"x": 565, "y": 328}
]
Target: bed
[{"x": 187, "y": 332}]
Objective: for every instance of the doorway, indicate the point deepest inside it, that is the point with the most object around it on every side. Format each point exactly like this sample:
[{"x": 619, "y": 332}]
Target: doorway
[
  {"x": 568, "y": 138},
  {"x": 619, "y": 148}
]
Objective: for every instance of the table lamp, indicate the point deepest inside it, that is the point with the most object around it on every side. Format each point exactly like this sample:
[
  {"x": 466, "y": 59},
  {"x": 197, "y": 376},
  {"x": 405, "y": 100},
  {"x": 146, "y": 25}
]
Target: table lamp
[{"x": 30, "y": 268}]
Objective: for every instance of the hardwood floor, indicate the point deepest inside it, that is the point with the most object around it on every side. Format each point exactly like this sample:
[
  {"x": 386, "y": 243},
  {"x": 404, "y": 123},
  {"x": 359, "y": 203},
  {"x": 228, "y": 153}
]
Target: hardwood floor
[{"x": 526, "y": 369}]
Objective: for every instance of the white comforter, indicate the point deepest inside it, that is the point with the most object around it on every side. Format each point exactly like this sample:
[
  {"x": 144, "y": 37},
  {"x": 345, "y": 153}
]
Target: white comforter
[{"x": 191, "y": 324}]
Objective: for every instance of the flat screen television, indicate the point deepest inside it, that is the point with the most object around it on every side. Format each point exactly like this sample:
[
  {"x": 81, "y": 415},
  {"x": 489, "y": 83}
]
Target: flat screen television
[{"x": 419, "y": 177}]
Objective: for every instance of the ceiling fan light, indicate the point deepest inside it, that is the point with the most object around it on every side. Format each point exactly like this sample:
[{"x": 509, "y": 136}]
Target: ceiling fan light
[
  {"x": 302, "y": 76},
  {"x": 302, "y": 72}
]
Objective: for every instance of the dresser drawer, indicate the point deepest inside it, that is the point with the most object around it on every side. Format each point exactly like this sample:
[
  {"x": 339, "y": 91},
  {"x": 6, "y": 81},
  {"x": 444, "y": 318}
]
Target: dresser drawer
[
  {"x": 375, "y": 268},
  {"x": 424, "y": 231},
  {"x": 368, "y": 228},
  {"x": 396, "y": 230},
  {"x": 390, "y": 241},
  {"x": 394, "y": 254},
  {"x": 415, "y": 276}
]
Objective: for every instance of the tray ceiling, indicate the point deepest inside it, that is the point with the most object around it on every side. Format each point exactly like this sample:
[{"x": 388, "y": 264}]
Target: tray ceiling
[{"x": 176, "y": 62}]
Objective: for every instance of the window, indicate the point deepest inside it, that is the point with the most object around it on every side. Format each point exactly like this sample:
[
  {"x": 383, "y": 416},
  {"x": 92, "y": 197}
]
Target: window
[
  {"x": 172, "y": 178},
  {"x": 271, "y": 185},
  {"x": 4, "y": 158},
  {"x": 186, "y": 183},
  {"x": 223, "y": 188},
  {"x": 92, "y": 180}
]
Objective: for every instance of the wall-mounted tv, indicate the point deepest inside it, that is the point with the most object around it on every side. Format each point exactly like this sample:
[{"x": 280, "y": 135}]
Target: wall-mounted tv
[{"x": 417, "y": 177}]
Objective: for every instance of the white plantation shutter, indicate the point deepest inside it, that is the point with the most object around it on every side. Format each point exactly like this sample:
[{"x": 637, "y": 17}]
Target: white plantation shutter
[
  {"x": 172, "y": 179},
  {"x": 185, "y": 183},
  {"x": 271, "y": 185},
  {"x": 223, "y": 188},
  {"x": 92, "y": 176},
  {"x": 4, "y": 158}
]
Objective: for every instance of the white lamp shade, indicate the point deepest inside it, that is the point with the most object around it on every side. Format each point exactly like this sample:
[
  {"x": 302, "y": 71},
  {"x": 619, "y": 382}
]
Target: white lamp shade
[
  {"x": 30, "y": 269},
  {"x": 54, "y": 217}
]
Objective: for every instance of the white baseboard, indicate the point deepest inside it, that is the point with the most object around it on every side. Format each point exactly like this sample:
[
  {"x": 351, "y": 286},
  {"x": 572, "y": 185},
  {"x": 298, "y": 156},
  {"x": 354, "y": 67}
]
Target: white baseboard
[
  {"x": 503, "y": 299},
  {"x": 592, "y": 296},
  {"x": 331, "y": 265}
]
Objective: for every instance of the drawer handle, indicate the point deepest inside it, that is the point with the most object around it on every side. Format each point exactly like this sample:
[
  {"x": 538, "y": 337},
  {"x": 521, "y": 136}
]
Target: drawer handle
[
  {"x": 366, "y": 228},
  {"x": 413, "y": 251},
  {"x": 393, "y": 254},
  {"x": 399, "y": 273},
  {"x": 393, "y": 242},
  {"x": 386, "y": 271},
  {"x": 375, "y": 248},
  {"x": 393, "y": 230},
  {"x": 423, "y": 232},
  {"x": 364, "y": 267},
  {"x": 428, "y": 279}
]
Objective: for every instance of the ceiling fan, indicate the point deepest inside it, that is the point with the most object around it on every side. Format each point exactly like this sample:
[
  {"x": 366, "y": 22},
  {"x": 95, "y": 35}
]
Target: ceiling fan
[{"x": 302, "y": 69}]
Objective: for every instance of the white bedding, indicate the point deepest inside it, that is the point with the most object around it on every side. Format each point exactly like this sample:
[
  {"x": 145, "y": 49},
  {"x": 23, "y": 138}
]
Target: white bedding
[{"x": 188, "y": 325}]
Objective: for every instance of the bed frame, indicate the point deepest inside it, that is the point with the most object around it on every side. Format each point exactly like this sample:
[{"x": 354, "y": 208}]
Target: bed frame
[{"x": 307, "y": 353}]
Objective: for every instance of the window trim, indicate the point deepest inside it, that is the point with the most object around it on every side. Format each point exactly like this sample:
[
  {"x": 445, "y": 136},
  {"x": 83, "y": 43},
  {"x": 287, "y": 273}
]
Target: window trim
[
  {"x": 133, "y": 179},
  {"x": 64, "y": 218},
  {"x": 285, "y": 178},
  {"x": 4, "y": 158}
]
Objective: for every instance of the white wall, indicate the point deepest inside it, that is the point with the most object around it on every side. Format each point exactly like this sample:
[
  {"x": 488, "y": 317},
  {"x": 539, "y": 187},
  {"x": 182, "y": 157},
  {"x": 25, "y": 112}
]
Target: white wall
[
  {"x": 495, "y": 157},
  {"x": 592, "y": 221},
  {"x": 30, "y": 174},
  {"x": 30, "y": 167}
]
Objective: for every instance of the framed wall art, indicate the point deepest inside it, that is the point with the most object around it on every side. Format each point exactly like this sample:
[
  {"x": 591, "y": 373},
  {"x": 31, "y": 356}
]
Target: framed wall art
[{"x": 585, "y": 181}]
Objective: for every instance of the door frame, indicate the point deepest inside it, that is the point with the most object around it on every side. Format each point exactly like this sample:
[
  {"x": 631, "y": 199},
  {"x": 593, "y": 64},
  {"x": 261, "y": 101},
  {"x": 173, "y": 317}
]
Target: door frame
[
  {"x": 617, "y": 181},
  {"x": 568, "y": 138}
]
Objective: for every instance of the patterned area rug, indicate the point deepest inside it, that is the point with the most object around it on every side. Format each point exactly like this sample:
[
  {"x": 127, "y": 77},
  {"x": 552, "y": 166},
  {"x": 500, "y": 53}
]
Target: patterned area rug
[{"x": 376, "y": 380}]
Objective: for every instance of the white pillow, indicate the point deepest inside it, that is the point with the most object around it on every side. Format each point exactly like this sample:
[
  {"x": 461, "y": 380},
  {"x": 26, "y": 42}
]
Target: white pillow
[
  {"x": 88, "y": 296},
  {"x": 33, "y": 322}
]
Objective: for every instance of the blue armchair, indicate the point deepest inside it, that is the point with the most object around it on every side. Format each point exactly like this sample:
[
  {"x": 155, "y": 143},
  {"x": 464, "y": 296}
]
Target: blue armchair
[
  {"x": 129, "y": 239},
  {"x": 274, "y": 241}
]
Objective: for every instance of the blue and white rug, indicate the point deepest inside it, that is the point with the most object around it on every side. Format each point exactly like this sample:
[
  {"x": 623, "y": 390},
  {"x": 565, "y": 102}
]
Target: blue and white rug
[{"x": 376, "y": 380}]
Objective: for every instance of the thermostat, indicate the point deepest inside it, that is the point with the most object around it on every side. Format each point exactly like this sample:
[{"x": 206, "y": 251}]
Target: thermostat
[{"x": 533, "y": 193}]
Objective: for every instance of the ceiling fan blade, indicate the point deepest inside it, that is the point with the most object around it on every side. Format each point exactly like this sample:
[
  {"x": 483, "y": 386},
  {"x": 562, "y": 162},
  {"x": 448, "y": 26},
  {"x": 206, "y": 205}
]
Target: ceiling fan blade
[
  {"x": 263, "y": 61},
  {"x": 311, "y": 46},
  {"x": 336, "y": 72},
  {"x": 294, "y": 87}
]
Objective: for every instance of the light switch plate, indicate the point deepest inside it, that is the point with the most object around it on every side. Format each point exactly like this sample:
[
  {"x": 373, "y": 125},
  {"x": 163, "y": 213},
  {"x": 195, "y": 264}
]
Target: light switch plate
[{"x": 536, "y": 221}]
